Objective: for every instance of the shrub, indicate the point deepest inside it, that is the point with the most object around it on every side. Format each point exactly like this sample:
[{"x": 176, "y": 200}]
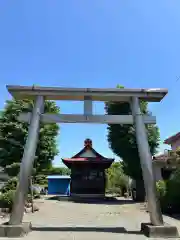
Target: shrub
[
  {"x": 114, "y": 190},
  {"x": 117, "y": 181},
  {"x": 161, "y": 187},
  {"x": 6, "y": 199},
  {"x": 41, "y": 180},
  {"x": 13, "y": 169},
  {"x": 10, "y": 185},
  {"x": 169, "y": 194},
  {"x": 173, "y": 193}
]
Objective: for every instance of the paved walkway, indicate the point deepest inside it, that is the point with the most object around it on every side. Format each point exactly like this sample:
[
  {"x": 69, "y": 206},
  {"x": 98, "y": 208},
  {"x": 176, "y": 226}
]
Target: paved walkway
[{"x": 72, "y": 221}]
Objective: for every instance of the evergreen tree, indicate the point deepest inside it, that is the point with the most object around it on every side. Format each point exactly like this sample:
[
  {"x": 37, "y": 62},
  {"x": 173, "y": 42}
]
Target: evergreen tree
[
  {"x": 122, "y": 138},
  {"x": 13, "y": 134}
]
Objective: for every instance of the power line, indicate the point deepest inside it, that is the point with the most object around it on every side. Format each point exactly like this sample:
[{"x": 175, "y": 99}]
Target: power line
[{"x": 177, "y": 79}]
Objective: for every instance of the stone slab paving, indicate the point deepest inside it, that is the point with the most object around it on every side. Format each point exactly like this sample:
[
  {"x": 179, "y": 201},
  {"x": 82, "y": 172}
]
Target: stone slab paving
[{"x": 58, "y": 220}]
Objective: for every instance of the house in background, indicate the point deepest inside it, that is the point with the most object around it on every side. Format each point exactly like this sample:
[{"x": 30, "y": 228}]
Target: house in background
[
  {"x": 160, "y": 167},
  {"x": 173, "y": 141},
  {"x": 159, "y": 162}
]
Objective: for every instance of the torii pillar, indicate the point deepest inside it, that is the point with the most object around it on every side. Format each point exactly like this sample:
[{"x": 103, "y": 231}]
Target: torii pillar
[{"x": 146, "y": 164}]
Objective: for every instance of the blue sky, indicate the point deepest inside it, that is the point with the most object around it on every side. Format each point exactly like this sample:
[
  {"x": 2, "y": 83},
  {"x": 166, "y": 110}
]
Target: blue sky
[{"x": 93, "y": 43}]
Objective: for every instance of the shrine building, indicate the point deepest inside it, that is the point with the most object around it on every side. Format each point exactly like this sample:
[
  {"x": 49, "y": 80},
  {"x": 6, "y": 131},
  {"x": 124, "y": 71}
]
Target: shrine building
[{"x": 88, "y": 177}]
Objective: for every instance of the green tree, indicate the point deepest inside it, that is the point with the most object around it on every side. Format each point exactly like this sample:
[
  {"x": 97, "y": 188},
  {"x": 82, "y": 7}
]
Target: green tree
[
  {"x": 117, "y": 181},
  {"x": 13, "y": 134},
  {"x": 58, "y": 171},
  {"x": 41, "y": 179},
  {"x": 173, "y": 158},
  {"x": 13, "y": 169},
  {"x": 122, "y": 139}
]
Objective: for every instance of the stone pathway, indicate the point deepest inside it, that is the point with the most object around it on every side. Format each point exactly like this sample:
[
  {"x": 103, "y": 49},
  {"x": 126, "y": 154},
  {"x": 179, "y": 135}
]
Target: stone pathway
[{"x": 71, "y": 221}]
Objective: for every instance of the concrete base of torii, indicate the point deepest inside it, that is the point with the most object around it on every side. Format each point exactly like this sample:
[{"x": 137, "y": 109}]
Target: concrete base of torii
[
  {"x": 14, "y": 231},
  {"x": 163, "y": 231}
]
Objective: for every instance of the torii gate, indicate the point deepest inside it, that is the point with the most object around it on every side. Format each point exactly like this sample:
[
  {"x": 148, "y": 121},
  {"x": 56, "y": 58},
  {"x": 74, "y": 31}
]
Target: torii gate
[{"x": 88, "y": 95}]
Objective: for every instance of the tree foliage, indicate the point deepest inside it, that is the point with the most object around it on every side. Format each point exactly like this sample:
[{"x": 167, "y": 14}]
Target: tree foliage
[
  {"x": 117, "y": 181},
  {"x": 59, "y": 171},
  {"x": 173, "y": 194},
  {"x": 10, "y": 185},
  {"x": 41, "y": 179},
  {"x": 13, "y": 134},
  {"x": 173, "y": 158},
  {"x": 168, "y": 193},
  {"x": 122, "y": 139},
  {"x": 6, "y": 199},
  {"x": 13, "y": 169}
]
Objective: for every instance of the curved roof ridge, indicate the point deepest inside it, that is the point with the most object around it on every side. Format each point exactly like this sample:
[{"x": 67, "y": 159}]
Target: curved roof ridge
[{"x": 88, "y": 148}]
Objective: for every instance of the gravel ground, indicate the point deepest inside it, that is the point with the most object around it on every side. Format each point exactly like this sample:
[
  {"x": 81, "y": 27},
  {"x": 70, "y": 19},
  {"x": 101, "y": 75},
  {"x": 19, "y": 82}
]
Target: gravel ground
[{"x": 72, "y": 221}]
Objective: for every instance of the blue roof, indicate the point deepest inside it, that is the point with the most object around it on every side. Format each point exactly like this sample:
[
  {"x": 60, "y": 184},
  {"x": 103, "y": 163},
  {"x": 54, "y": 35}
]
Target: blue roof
[{"x": 58, "y": 177}]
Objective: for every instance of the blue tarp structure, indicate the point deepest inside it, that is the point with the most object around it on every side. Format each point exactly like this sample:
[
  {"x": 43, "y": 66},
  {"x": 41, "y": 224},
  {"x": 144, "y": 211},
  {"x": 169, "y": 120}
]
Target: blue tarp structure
[{"x": 59, "y": 185}]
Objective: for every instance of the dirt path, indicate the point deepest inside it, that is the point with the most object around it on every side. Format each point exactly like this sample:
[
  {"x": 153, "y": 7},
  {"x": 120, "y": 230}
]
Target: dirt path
[{"x": 67, "y": 220}]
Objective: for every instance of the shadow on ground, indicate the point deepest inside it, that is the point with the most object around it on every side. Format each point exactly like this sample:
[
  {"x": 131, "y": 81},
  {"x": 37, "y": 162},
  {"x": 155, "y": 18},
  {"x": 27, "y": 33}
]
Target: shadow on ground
[
  {"x": 106, "y": 200},
  {"x": 175, "y": 216},
  {"x": 85, "y": 229}
]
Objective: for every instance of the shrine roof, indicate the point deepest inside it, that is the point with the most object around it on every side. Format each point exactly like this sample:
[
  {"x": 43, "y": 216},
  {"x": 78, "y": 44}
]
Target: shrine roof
[
  {"x": 88, "y": 155},
  {"x": 88, "y": 147},
  {"x": 103, "y": 162},
  {"x": 98, "y": 155},
  {"x": 87, "y": 159}
]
